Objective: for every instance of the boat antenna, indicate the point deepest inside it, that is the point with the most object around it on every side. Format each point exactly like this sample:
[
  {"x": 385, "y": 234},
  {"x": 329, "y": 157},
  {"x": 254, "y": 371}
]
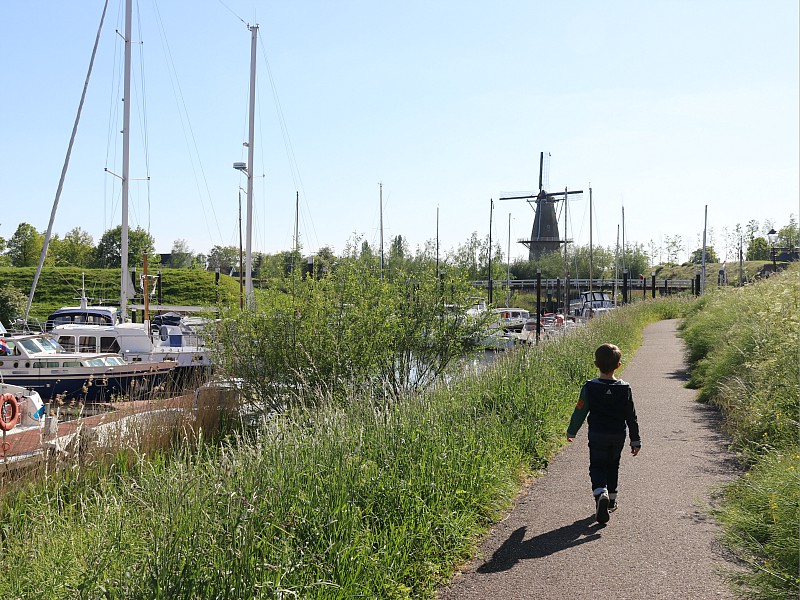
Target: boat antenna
[{"x": 64, "y": 167}]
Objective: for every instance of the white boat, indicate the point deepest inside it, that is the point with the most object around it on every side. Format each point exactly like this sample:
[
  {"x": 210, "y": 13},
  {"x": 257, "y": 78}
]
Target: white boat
[
  {"x": 510, "y": 319},
  {"x": 22, "y": 411},
  {"x": 88, "y": 329},
  {"x": 593, "y": 304},
  {"x": 36, "y": 362}
]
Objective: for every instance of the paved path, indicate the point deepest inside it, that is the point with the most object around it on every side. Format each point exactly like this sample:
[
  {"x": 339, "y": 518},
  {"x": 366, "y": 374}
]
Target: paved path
[{"x": 660, "y": 544}]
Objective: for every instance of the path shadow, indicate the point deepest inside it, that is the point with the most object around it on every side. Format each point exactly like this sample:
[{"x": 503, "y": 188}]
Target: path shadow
[
  {"x": 679, "y": 375},
  {"x": 514, "y": 549}
]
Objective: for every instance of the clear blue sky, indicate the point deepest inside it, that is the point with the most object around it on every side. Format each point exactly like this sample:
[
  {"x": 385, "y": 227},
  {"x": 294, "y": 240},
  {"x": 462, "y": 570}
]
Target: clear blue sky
[{"x": 664, "y": 106}]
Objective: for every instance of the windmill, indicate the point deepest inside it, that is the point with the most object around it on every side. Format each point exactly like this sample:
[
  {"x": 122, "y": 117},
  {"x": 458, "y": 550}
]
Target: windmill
[{"x": 544, "y": 233}]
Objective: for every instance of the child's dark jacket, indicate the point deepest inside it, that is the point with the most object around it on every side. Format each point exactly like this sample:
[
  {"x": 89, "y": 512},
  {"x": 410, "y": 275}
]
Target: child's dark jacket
[{"x": 609, "y": 406}]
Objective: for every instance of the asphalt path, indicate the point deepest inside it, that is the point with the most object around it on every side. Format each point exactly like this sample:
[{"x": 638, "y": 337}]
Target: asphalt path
[{"x": 660, "y": 544}]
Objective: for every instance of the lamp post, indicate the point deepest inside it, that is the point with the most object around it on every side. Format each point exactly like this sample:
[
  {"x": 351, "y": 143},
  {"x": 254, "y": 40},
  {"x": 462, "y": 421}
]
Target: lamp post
[{"x": 772, "y": 236}]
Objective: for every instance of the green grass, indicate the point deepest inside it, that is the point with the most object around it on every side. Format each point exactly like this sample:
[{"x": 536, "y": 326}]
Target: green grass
[
  {"x": 744, "y": 347},
  {"x": 60, "y": 286},
  {"x": 373, "y": 499}
]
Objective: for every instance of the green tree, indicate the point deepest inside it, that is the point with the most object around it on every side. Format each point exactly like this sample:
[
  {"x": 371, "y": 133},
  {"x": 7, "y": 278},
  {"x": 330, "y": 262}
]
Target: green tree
[
  {"x": 181, "y": 256},
  {"x": 12, "y": 303},
  {"x": 697, "y": 256},
  {"x": 224, "y": 258},
  {"x": 758, "y": 249},
  {"x": 789, "y": 237},
  {"x": 200, "y": 261},
  {"x": 25, "y": 247},
  {"x": 75, "y": 250},
  {"x": 751, "y": 229},
  {"x": 109, "y": 249},
  {"x": 324, "y": 260},
  {"x": 674, "y": 248},
  {"x": 465, "y": 257},
  {"x": 311, "y": 346},
  {"x": 366, "y": 251}
]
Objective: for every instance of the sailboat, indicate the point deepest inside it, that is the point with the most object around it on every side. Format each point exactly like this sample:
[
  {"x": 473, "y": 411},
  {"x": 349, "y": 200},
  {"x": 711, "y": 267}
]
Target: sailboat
[
  {"x": 594, "y": 303},
  {"x": 91, "y": 329}
]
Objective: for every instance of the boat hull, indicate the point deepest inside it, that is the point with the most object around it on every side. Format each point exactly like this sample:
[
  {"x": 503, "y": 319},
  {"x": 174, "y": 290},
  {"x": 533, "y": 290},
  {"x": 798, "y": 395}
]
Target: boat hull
[{"x": 101, "y": 385}]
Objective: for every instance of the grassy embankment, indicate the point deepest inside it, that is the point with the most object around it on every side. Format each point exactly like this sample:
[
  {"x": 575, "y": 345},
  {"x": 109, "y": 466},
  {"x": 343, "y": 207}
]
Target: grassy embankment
[
  {"x": 59, "y": 287},
  {"x": 744, "y": 349},
  {"x": 372, "y": 500}
]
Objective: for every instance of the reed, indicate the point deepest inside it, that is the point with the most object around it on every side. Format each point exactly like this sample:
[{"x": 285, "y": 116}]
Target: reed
[{"x": 376, "y": 497}]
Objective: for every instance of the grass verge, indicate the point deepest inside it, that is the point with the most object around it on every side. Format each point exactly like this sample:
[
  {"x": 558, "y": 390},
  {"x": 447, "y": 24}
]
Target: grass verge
[
  {"x": 374, "y": 499},
  {"x": 744, "y": 346}
]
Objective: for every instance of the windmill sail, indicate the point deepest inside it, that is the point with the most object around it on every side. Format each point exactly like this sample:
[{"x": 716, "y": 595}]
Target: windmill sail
[{"x": 545, "y": 237}]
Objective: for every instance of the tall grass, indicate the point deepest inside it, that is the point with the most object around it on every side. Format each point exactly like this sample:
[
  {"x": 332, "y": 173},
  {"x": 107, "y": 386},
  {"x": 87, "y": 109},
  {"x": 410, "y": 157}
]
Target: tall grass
[
  {"x": 744, "y": 346},
  {"x": 368, "y": 499}
]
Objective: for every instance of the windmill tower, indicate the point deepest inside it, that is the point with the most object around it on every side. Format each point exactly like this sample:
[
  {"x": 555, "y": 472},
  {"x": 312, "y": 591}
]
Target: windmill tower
[{"x": 544, "y": 232}]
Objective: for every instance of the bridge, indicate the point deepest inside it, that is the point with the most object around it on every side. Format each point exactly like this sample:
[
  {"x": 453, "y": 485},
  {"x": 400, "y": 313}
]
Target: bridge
[{"x": 663, "y": 286}]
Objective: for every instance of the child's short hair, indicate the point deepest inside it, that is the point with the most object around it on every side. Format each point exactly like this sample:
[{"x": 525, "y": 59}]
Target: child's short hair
[{"x": 607, "y": 357}]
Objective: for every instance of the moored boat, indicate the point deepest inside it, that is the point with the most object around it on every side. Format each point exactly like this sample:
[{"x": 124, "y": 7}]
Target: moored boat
[{"x": 37, "y": 362}]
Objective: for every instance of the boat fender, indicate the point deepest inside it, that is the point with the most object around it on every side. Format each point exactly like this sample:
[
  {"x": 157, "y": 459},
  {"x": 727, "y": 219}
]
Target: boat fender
[{"x": 9, "y": 412}]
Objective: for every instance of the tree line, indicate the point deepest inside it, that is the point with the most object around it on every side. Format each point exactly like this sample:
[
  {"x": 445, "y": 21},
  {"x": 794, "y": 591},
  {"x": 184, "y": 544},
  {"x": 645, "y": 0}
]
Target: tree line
[{"x": 78, "y": 249}]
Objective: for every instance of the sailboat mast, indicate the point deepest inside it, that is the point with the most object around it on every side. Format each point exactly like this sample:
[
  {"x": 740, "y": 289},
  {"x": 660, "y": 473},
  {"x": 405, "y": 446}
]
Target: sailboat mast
[
  {"x": 591, "y": 291},
  {"x": 616, "y": 267},
  {"x": 491, "y": 206},
  {"x": 241, "y": 268},
  {"x": 126, "y": 157},
  {"x": 296, "y": 222},
  {"x": 566, "y": 263},
  {"x": 437, "y": 241},
  {"x": 49, "y": 232},
  {"x": 380, "y": 187},
  {"x": 250, "y": 150},
  {"x": 508, "y": 264}
]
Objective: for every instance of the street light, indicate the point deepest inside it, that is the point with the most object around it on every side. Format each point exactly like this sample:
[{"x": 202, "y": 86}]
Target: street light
[{"x": 772, "y": 236}]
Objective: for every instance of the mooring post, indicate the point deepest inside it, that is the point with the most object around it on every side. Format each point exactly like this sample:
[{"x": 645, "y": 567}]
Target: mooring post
[
  {"x": 538, "y": 303},
  {"x": 666, "y": 287},
  {"x": 644, "y": 286},
  {"x": 653, "y": 283},
  {"x": 624, "y": 286},
  {"x": 558, "y": 293},
  {"x": 697, "y": 283}
]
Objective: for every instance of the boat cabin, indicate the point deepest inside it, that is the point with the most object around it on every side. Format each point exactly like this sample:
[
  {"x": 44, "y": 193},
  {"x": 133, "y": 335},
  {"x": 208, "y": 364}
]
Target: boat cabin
[{"x": 78, "y": 315}]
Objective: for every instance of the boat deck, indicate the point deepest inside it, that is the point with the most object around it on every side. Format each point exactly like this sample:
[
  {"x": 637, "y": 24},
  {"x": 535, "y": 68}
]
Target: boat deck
[{"x": 24, "y": 445}]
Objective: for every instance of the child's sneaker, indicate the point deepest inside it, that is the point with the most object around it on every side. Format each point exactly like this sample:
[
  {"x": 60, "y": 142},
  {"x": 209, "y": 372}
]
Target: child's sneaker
[
  {"x": 612, "y": 505},
  {"x": 602, "y": 508}
]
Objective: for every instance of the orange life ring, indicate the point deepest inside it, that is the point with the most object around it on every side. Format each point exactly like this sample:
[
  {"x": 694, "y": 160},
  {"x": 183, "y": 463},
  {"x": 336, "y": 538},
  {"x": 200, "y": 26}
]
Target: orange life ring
[{"x": 7, "y": 422}]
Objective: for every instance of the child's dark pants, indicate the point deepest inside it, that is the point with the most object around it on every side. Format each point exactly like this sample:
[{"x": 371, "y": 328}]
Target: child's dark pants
[{"x": 604, "y": 455}]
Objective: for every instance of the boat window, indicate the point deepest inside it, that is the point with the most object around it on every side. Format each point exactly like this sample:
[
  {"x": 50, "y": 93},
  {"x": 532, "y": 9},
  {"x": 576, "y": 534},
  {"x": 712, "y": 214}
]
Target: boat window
[
  {"x": 31, "y": 346},
  {"x": 114, "y": 361},
  {"x": 49, "y": 344},
  {"x": 71, "y": 363},
  {"x": 95, "y": 362},
  {"x": 109, "y": 344},
  {"x": 41, "y": 364},
  {"x": 67, "y": 342},
  {"x": 87, "y": 343}
]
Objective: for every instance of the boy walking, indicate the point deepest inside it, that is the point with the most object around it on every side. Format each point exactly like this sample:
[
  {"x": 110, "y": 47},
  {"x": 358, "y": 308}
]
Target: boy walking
[{"x": 608, "y": 402}]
